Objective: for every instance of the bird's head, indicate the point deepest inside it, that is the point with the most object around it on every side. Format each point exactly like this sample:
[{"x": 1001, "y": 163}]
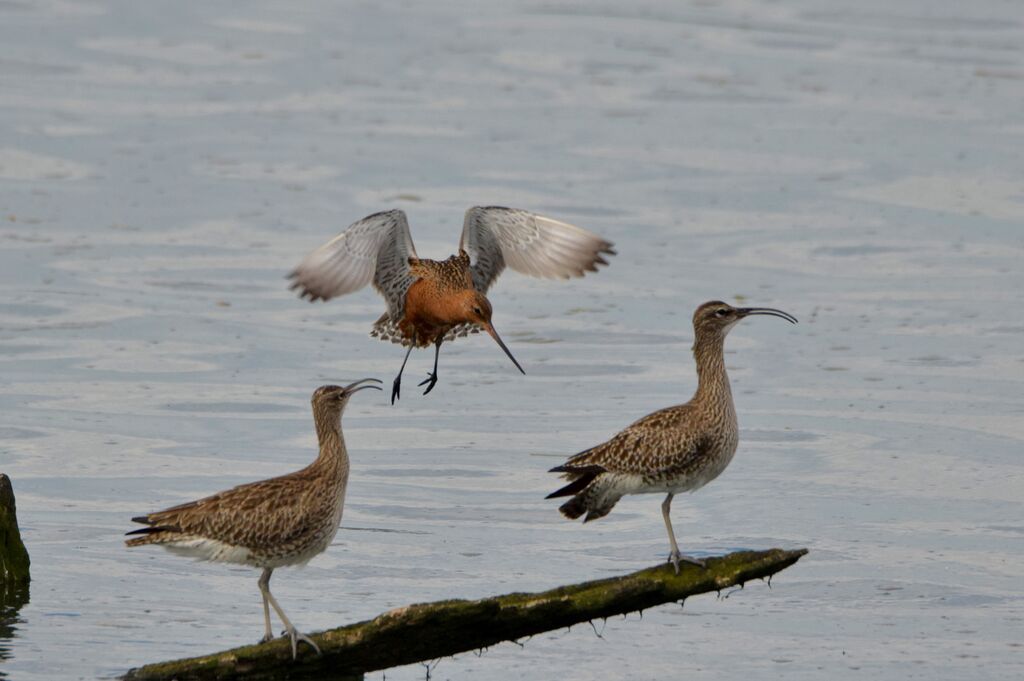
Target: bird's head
[
  {"x": 476, "y": 309},
  {"x": 331, "y": 399},
  {"x": 714, "y": 318}
]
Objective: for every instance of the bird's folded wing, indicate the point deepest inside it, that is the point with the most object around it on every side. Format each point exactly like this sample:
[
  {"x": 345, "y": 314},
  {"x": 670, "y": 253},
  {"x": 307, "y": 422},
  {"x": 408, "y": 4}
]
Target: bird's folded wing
[
  {"x": 528, "y": 243},
  {"x": 252, "y": 515},
  {"x": 376, "y": 248},
  {"x": 655, "y": 444}
]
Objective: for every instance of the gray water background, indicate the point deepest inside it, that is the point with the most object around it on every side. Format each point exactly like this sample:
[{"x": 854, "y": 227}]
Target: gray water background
[{"x": 858, "y": 164}]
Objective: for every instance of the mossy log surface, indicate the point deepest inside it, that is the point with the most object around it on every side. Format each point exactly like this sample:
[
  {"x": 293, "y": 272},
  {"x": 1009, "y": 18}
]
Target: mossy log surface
[
  {"x": 430, "y": 631},
  {"x": 14, "y": 562}
]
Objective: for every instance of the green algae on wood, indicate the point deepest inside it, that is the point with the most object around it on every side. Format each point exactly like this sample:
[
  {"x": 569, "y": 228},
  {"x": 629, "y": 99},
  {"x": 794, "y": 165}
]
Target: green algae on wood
[
  {"x": 428, "y": 631},
  {"x": 14, "y": 561}
]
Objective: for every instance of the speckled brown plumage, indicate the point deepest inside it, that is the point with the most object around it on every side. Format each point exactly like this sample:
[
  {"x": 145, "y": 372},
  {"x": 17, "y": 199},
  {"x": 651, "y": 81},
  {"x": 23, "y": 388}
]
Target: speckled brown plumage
[
  {"x": 271, "y": 523},
  {"x": 430, "y": 301},
  {"x": 673, "y": 450},
  {"x": 276, "y": 521}
]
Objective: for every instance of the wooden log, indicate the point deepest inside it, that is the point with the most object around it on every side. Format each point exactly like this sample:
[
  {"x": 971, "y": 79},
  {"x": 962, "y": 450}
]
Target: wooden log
[
  {"x": 429, "y": 631},
  {"x": 14, "y": 561}
]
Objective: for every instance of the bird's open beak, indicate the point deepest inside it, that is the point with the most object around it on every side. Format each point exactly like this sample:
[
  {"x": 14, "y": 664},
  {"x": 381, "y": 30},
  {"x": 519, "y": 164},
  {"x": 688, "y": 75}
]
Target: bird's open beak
[
  {"x": 351, "y": 387},
  {"x": 744, "y": 311},
  {"x": 497, "y": 339}
]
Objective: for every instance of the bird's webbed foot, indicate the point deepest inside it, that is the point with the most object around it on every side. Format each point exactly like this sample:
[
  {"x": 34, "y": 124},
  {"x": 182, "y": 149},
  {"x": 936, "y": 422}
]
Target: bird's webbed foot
[{"x": 431, "y": 379}]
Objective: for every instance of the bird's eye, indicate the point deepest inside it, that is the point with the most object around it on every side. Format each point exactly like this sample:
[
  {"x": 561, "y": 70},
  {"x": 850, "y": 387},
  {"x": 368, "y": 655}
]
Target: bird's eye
[
  {"x": 721, "y": 312},
  {"x": 477, "y": 310}
]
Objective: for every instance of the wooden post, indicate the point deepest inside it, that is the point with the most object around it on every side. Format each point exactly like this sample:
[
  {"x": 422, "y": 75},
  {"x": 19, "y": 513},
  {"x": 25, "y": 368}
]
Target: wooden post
[
  {"x": 432, "y": 630},
  {"x": 14, "y": 562}
]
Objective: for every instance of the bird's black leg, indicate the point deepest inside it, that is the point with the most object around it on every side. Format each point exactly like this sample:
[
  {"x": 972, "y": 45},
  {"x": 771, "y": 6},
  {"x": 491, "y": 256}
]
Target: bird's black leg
[
  {"x": 396, "y": 387},
  {"x": 432, "y": 376}
]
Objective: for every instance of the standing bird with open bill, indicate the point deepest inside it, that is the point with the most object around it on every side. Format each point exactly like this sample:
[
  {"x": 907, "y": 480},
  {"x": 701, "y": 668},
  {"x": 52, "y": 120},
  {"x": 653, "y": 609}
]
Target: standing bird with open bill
[
  {"x": 271, "y": 523},
  {"x": 673, "y": 450},
  {"x": 432, "y": 301}
]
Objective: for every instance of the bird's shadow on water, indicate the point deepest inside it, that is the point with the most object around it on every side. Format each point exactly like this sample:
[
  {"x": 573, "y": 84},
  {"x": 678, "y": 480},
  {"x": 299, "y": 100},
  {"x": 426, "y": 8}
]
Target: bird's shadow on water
[{"x": 13, "y": 598}]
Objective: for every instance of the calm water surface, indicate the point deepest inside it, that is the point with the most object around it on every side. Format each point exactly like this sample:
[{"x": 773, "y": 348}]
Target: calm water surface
[{"x": 162, "y": 165}]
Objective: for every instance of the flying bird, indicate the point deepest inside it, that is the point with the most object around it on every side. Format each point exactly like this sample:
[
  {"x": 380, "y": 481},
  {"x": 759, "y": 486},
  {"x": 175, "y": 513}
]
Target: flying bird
[{"x": 429, "y": 301}]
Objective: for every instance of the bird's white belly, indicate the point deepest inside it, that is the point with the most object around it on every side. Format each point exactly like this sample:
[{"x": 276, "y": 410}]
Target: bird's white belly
[{"x": 202, "y": 548}]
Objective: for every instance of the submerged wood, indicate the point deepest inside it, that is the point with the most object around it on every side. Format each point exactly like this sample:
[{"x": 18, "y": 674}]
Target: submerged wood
[
  {"x": 14, "y": 561},
  {"x": 428, "y": 631}
]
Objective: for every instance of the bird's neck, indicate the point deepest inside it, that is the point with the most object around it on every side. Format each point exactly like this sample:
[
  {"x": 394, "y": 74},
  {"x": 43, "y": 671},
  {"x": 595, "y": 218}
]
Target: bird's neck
[
  {"x": 333, "y": 458},
  {"x": 712, "y": 379}
]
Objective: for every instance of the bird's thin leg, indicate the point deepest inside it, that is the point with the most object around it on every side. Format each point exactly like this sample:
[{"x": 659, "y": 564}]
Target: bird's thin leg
[
  {"x": 432, "y": 377},
  {"x": 675, "y": 557},
  {"x": 293, "y": 633},
  {"x": 264, "y": 583},
  {"x": 396, "y": 387}
]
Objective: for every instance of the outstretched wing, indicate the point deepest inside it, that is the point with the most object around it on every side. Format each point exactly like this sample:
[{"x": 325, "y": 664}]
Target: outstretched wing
[
  {"x": 532, "y": 244},
  {"x": 377, "y": 249}
]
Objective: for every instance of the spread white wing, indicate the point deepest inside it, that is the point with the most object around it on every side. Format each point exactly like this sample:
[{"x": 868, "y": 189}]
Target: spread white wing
[
  {"x": 377, "y": 249},
  {"x": 532, "y": 244}
]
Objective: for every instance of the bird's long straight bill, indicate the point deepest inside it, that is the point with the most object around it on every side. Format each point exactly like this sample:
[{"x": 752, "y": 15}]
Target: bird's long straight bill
[
  {"x": 767, "y": 311},
  {"x": 497, "y": 339},
  {"x": 351, "y": 387}
]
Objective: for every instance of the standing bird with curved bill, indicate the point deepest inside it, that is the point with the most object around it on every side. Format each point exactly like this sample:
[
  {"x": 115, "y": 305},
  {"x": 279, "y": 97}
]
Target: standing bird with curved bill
[
  {"x": 271, "y": 523},
  {"x": 673, "y": 450},
  {"x": 432, "y": 301}
]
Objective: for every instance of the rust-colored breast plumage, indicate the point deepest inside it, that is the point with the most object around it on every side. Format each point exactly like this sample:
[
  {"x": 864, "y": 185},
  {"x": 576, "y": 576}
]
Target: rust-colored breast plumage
[{"x": 433, "y": 304}]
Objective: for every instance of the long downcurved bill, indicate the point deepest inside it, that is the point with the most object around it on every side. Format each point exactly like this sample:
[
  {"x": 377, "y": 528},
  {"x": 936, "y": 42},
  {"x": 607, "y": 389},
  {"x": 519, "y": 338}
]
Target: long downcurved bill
[
  {"x": 497, "y": 339},
  {"x": 351, "y": 387},
  {"x": 768, "y": 311}
]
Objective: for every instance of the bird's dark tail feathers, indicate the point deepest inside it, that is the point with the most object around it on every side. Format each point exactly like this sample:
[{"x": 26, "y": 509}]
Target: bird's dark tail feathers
[
  {"x": 583, "y": 490},
  {"x": 153, "y": 530},
  {"x": 151, "y": 534},
  {"x": 573, "y": 508},
  {"x": 580, "y": 478}
]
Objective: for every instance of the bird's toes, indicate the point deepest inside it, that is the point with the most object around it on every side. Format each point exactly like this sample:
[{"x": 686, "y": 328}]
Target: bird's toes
[
  {"x": 309, "y": 641},
  {"x": 677, "y": 558},
  {"x": 430, "y": 381},
  {"x": 694, "y": 561},
  {"x": 297, "y": 636}
]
